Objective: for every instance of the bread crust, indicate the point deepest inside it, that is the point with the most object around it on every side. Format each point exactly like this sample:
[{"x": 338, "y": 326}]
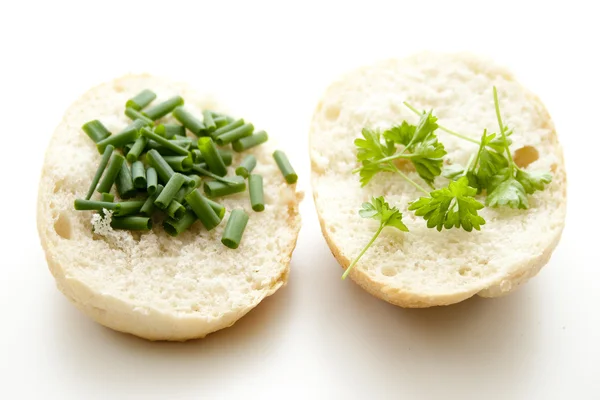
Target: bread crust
[
  {"x": 119, "y": 314},
  {"x": 412, "y": 299}
]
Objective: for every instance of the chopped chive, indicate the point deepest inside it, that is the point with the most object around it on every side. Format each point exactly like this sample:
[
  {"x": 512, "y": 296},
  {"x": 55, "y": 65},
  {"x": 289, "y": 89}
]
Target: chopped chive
[
  {"x": 247, "y": 165},
  {"x": 95, "y": 130},
  {"x": 202, "y": 209},
  {"x": 229, "y": 127},
  {"x": 101, "y": 167},
  {"x": 84, "y": 205},
  {"x": 129, "y": 207},
  {"x": 212, "y": 156},
  {"x": 180, "y": 163},
  {"x": 255, "y": 186},
  {"x": 197, "y": 180},
  {"x": 181, "y": 193},
  {"x": 171, "y": 188},
  {"x": 209, "y": 122},
  {"x": 136, "y": 150},
  {"x": 132, "y": 223},
  {"x": 161, "y": 109},
  {"x": 183, "y": 143},
  {"x": 235, "y": 134},
  {"x": 126, "y": 149},
  {"x": 234, "y": 230},
  {"x": 138, "y": 173},
  {"x": 129, "y": 134},
  {"x": 201, "y": 169},
  {"x": 141, "y": 100},
  {"x": 175, "y": 210},
  {"x": 108, "y": 197},
  {"x": 151, "y": 180},
  {"x": 148, "y": 207},
  {"x": 192, "y": 123},
  {"x": 219, "y": 189},
  {"x": 135, "y": 114},
  {"x": 220, "y": 121},
  {"x": 112, "y": 170},
  {"x": 164, "y": 142},
  {"x": 163, "y": 169},
  {"x": 174, "y": 228},
  {"x": 196, "y": 156},
  {"x": 217, "y": 207},
  {"x": 250, "y": 141},
  {"x": 170, "y": 130},
  {"x": 285, "y": 167},
  {"x": 124, "y": 182}
]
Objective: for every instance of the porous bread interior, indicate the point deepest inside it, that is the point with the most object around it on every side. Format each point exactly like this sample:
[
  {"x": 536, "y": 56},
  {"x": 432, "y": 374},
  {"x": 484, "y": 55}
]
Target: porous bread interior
[
  {"x": 425, "y": 267},
  {"x": 150, "y": 284}
]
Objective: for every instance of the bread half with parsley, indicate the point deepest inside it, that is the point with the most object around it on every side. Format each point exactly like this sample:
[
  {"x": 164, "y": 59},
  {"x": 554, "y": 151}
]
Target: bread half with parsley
[
  {"x": 424, "y": 267},
  {"x": 150, "y": 284}
]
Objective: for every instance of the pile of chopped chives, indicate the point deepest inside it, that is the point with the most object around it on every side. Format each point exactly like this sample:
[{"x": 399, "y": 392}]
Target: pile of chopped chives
[{"x": 158, "y": 169}]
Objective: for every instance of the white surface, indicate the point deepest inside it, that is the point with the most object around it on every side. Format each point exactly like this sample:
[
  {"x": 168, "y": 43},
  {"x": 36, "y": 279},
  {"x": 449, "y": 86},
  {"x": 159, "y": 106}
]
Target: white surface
[{"x": 318, "y": 337}]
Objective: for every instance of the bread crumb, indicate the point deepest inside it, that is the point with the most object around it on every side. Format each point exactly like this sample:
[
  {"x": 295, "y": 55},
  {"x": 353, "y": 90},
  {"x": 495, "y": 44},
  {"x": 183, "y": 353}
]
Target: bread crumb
[{"x": 101, "y": 223}]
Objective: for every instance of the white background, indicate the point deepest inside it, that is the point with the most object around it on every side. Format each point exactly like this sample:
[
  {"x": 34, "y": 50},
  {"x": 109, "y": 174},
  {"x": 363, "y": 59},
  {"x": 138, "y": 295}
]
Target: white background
[{"x": 318, "y": 337}]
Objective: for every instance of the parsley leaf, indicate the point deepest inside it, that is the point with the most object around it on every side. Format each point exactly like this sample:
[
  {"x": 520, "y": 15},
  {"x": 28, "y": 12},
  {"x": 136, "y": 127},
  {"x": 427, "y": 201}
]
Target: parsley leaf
[
  {"x": 370, "y": 148},
  {"x": 507, "y": 191},
  {"x": 452, "y": 206},
  {"x": 400, "y": 134},
  {"x": 427, "y": 157},
  {"x": 532, "y": 180},
  {"x": 379, "y": 210}
]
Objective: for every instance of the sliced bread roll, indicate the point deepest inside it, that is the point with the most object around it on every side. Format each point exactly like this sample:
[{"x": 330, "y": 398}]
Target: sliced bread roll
[
  {"x": 425, "y": 267},
  {"x": 150, "y": 284}
]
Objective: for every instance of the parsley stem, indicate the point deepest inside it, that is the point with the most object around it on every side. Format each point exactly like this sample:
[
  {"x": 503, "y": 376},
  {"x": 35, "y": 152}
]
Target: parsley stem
[
  {"x": 375, "y": 236},
  {"x": 458, "y": 135},
  {"x": 502, "y": 132},
  {"x": 415, "y": 184},
  {"x": 387, "y": 159}
]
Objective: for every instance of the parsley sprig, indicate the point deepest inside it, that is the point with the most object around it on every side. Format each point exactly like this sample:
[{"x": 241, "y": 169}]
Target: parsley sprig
[{"x": 378, "y": 209}]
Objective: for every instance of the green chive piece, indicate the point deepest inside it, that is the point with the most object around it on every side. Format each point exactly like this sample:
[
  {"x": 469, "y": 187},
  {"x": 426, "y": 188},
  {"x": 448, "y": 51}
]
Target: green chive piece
[
  {"x": 201, "y": 169},
  {"x": 101, "y": 167},
  {"x": 235, "y": 134},
  {"x": 197, "y": 180},
  {"x": 218, "y": 208},
  {"x": 202, "y": 209},
  {"x": 234, "y": 230},
  {"x": 108, "y": 197},
  {"x": 175, "y": 210},
  {"x": 220, "y": 121},
  {"x": 250, "y": 141},
  {"x": 169, "y": 131},
  {"x": 156, "y": 161},
  {"x": 192, "y": 123},
  {"x": 136, "y": 150},
  {"x": 138, "y": 173},
  {"x": 124, "y": 182},
  {"x": 135, "y": 114},
  {"x": 285, "y": 167},
  {"x": 126, "y": 148},
  {"x": 196, "y": 156},
  {"x": 149, "y": 207},
  {"x": 171, "y": 188},
  {"x": 255, "y": 186},
  {"x": 141, "y": 100},
  {"x": 183, "y": 143},
  {"x": 129, "y": 207},
  {"x": 161, "y": 109},
  {"x": 212, "y": 156},
  {"x": 95, "y": 130},
  {"x": 229, "y": 127},
  {"x": 112, "y": 170},
  {"x": 227, "y": 156},
  {"x": 218, "y": 189},
  {"x": 247, "y": 165},
  {"x": 174, "y": 228},
  {"x": 84, "y": 205},
  {"x": 129, "y": 134},
  {"x": 132, "y": 223},
  {"x": 151, "y": 180},
  {"x": 164, "y": 142},
  {"x": 209, "y": 122},
  {"x": 180, "y": 163},
  {"x": 181, "y": 193}
]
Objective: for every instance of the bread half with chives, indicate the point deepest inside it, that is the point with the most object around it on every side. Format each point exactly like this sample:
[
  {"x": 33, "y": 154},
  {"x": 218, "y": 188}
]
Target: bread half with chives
[
  {"x": 424, "y": 267},
  {"x": 151, "y": 284}
]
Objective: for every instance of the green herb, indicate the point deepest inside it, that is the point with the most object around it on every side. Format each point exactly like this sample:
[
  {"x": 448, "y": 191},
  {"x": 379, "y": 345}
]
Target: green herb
[{"x": 378, "y": 209}]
